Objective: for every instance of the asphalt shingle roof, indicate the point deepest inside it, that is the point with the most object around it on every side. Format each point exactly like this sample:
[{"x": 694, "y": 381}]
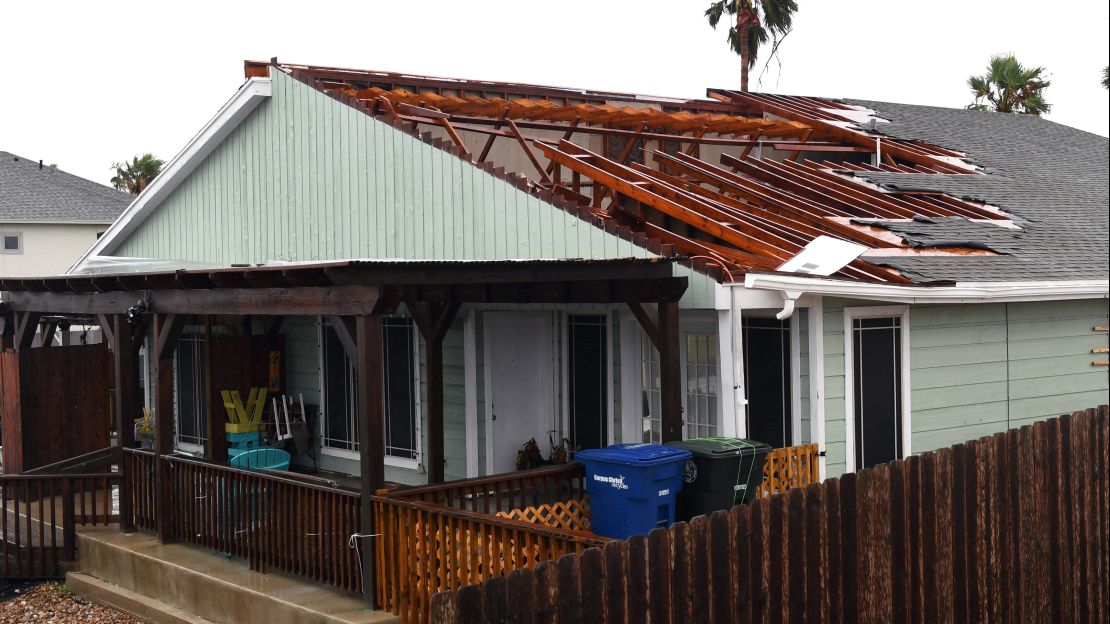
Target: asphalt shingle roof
[
  {"x": 30, "y": 194},
  {"x": 1054, "y": 180}
]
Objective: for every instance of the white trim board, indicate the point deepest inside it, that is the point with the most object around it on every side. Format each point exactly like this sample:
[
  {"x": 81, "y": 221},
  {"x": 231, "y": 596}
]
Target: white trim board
[
  {"x": 961, "y": 292},
  {"x": 241, "y": 105},
  {"x": 850, "y": 314},
  {"x": 470, "y": 390},
  {"x": 816, "y": 336}
]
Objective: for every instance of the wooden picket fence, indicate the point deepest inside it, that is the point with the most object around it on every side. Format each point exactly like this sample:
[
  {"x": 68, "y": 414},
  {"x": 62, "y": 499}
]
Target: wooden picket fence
[{"x": 1009, "y": 528}]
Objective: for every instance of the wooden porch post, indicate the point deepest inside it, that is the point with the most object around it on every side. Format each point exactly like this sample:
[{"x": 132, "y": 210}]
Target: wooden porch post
[
  {"x": 670, "y": 366},
  {"x": 371, "y": 434},
  {"x": 434, "y": 321},
  {"x": 124, "y": 352},
  {"x": 216, "y": 446},
  {"x": 664, "y": 334},
  {"x": 167, "y": 327}
]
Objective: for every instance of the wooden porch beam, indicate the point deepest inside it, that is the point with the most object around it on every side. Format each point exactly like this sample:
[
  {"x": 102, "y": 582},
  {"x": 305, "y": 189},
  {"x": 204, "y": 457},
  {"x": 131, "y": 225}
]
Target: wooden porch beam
[
  {"x": 107, "y": 327},
  {"x": 124, "y": 367},
  {"x": 48, "y": 331},
  {"x": 648, "y": 325},
  {"x": 25, "y": 326},
  {"x": 344, "y": 328},
  {"x": 371, "y": 432},
  {"x": 434, "y": 321},
  {"x": 167, "y": 327},
  {"x": 216, "y": 447},
  {"x": 670, "y": 366},
  {"x": 307, "y": 301}
]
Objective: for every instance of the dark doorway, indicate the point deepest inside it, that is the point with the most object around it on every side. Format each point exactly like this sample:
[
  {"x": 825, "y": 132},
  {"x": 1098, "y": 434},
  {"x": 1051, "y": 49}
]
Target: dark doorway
[
  {"x": 767, "y": 379},
  {"x": 877, "y": 388},
  {"x": 588, "y": 373}
]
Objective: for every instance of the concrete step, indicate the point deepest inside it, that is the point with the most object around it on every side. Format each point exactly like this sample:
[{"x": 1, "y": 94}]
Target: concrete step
[
  {"x": 138, "y": 605},
  {"x": 207, "y": 585}
]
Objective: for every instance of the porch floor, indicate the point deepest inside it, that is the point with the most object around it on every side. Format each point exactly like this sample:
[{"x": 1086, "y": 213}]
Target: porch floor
[{"x": 212, "y": 586}]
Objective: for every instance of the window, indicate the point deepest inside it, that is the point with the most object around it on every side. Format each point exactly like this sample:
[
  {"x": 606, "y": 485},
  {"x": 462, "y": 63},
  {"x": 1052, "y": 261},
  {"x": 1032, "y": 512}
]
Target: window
[
  {"x": 876, "y": 385},
  {"x": 13, "y": 242},
  {"x": 588, "y": 381},
  {"x": 700, "y": 399},
  {"x": 701, "y": 385},
  {"x": 767, "y": 379},
  {"x": 190, "y": 426},
  {"x": 400, "y": 383},
  {"x": 651, "y": 398},
  {"x": 399, "y": 369}
]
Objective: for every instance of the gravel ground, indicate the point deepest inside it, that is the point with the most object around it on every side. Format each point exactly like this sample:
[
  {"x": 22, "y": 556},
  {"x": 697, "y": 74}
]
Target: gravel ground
[{"x": 53, "y": 603}]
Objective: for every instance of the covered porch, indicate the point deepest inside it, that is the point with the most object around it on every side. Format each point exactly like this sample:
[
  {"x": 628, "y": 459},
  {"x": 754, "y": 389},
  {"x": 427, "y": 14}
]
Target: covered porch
[{"x": 285, "y": 520}]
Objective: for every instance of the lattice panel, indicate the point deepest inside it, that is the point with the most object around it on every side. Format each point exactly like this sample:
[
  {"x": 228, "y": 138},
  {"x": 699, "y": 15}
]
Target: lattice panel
[
  {"x": 788, "y": 468},
  {"x": 572, "y": 515}
]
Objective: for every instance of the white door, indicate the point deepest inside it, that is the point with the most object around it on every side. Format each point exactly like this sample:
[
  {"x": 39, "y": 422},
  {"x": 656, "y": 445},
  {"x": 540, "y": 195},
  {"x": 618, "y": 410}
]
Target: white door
[{"x": 520, "y": 390}]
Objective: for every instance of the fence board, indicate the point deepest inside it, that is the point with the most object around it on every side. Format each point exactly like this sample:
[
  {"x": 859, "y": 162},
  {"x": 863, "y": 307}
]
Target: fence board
[
  {"x": 699, "y": 569},
  {"x": 1009, "y": 528},
  {"x": 592, "y": 575},
  {"x": 660, "y": 565},
  {"x": 682, "y": 588}
]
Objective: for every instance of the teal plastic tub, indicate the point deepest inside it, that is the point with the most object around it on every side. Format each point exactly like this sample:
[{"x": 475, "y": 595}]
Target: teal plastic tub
[{"x": 259, "y": 459}]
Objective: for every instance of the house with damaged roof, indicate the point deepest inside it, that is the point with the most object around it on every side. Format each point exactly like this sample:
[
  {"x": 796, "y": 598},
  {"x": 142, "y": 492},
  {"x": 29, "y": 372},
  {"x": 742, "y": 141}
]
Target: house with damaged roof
[
  {"x": 445, "y": 269},
  {"x": 877, "y": 279}
]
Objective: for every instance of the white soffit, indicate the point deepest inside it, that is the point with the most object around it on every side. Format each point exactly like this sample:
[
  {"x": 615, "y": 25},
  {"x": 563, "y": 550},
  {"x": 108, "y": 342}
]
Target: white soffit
[
  {"x": 824, "y": 255},
  {"x": 242, "y": 104}
]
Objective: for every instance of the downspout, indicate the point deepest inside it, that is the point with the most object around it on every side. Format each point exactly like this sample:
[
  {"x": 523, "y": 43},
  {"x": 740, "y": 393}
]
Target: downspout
[
  {"x": 739, "y": 393},
  {"x": 789, "y": 298}
]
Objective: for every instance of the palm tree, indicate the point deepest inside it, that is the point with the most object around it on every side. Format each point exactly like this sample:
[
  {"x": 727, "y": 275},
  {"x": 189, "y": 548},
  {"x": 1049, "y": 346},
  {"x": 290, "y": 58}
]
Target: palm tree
[
  {"x": 1010, "y": 87},
  {"x": 134, "y": 176},
  {"x": 756, "y": 22}
]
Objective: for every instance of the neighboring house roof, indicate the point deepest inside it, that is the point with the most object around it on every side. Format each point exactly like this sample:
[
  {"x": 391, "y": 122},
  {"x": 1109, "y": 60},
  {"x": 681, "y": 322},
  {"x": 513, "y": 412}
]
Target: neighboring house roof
[
  {"x": 933, "y": 195},
  {"x": 31, "y": 193},
  {"x": 1053, "y": 179}
]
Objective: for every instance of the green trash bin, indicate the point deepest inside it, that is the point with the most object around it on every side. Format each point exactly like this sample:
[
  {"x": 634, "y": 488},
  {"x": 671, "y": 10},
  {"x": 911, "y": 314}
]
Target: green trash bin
[{"x": 722, "y": 472}]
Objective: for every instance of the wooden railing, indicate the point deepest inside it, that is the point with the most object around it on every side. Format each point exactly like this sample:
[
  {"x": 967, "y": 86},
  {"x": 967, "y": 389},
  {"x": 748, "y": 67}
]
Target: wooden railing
[
  {"x": 271, "y": 521},
  {"x": 503, "y": 492},
  {"x": 41, "y": 512},
  {"x": 788, "y": 468},
  {"x": 424, "y": 548},
  {"x": 87, "y": 463},
  {"x": 138, "y": 466}
]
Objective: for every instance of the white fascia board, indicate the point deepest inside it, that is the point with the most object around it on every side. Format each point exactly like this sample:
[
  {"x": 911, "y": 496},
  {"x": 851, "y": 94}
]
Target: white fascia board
[
  {"x": 961, "y": 292},
  {"x": 242, "y": 104},
  {"x": 6, "y": 223}
]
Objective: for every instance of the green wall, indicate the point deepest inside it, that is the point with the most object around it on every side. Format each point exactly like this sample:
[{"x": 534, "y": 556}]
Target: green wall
[
  {"x": 305, "y": 177},
  {"x": 978, "y": 369}
]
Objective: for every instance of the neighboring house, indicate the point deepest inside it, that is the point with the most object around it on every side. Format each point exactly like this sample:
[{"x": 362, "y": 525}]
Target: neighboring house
[
  {"x": 972, "y": 308},
  {"x": 48, "y": 217}
]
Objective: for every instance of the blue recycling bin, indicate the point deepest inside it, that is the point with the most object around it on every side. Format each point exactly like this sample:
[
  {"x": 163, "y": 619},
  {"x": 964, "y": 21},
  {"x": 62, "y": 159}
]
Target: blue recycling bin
[{"x": 632, "y": 487}]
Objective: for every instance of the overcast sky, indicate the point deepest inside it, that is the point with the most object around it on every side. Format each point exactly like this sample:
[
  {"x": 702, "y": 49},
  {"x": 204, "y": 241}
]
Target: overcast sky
[{"x": 83, "y": 84}]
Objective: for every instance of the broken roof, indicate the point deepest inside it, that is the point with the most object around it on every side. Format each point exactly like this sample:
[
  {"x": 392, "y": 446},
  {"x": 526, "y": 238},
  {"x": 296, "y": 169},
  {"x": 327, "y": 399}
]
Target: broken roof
[
  {"x": 1053, "y": 179},
  {"x": 30, "y": 193},
  {"x": 741, "y": 182}
]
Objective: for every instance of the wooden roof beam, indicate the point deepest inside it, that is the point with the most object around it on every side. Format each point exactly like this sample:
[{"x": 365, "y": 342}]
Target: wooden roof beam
[
  {"x": 700, "y": 215},
  {"x": 774, "y": 201}
]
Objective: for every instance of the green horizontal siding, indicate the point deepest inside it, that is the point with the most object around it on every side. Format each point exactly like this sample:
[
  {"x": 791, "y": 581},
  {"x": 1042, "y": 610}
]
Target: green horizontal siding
[
  {"x": 979, "y": 369},
  {"x": 306, "y": 178}
]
